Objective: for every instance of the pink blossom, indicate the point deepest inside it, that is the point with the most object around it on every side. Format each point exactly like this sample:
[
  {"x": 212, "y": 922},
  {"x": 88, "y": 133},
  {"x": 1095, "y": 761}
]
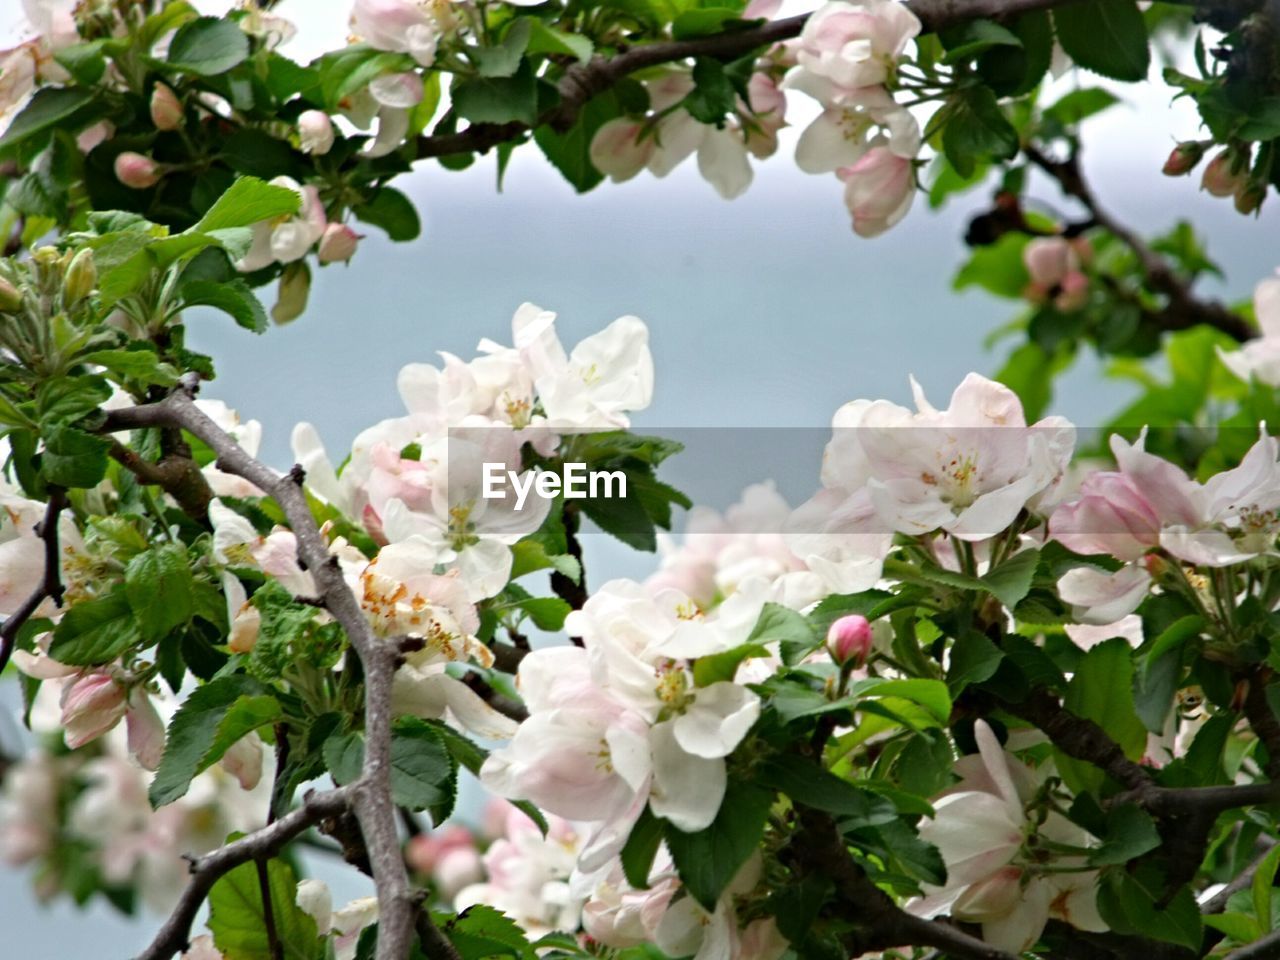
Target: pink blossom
[
  {"x": 1224, "y": 175},
  {"x": 337, "y": 243},
  {"x": 1112, "y": 516},
  {"x": 856, "y": 44},
  {"x": 166, "y": 109},
  {"x": 878, "y": 191},
  {"x": 315, "y": 132},
  {"x": 849, "y": 640},
  {"x": 91, "y": 706}
]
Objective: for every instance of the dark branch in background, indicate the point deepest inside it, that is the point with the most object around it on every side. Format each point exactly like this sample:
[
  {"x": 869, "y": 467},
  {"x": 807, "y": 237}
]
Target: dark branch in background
[
  {"x": 50, "y": 586},
  {"x": 371, "y": 793},
  {"x": 261, "y": 844},
  {"x": 1218, "y": 902},
  {"x": 583, "y": 81},
  {"x": 574, "y": 594},
  {"x": 1183, "y": 309},
  {"x": 503, "y": 704},
  {"x": 1263, "y": 720},
  {"x": 1268, "y": 948}
]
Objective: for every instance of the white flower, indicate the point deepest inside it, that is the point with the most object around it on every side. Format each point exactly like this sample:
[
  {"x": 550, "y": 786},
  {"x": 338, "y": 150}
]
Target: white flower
[
  {"x": 1260, "y": 358},
  {"x": 288, "y": 238}
]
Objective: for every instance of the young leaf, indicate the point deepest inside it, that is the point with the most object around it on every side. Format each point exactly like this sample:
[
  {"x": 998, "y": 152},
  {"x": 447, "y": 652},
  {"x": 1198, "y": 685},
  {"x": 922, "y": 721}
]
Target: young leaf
[
  {"x": 95, "y": 631},
  {"x": 208, "y": 46},
  {"x": 237, "y": 918},
  {"x": 160, "y": 590}
]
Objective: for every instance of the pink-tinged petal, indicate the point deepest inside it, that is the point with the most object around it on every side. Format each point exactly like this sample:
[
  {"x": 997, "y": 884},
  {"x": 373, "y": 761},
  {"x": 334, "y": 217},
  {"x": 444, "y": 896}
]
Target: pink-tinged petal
[
  {"x": 687, "y": 789},
  {"x": 145, "y": 730},
  {"x": 1098, "y": 597}
]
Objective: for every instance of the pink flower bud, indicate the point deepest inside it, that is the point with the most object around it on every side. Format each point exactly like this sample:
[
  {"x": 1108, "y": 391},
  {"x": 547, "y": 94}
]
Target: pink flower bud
[
  {"x": 878, "y": 190},
  {"x": 166, "y": 110},
  {"x": 315, "y": 132},
  {"x": 1184, "y": 158},
  {"x": 1048, "y": 260},
  {"x": 1224, "y": 175},
  {"x": 849, "y": 640},
  {"x": 1074, "y": 292},
  {"x": 338, "y": 242},
  {"x": 91, "y": 706},
  {"x": 136, "y": 171}
]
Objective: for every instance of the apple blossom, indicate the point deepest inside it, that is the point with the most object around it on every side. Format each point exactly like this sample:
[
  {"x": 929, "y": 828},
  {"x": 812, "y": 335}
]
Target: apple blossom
[
  {"x": 91, "y": 705},
  {"x": 202, "y": 948},
  {"x": 856, "y": 44},
  {"x": 136, "y": 171},
  {"x": 288, "y": 238},
  {"x": 343, "y": 925},
  {"x": 1111, "y": 516},
  {"x": 980, "y": 827},
  {"x": 620, "y": 149},
  {"x": 28, "y": 809},
  {"x": 1184, "y": 158},
  {"x": 315, "y": 132},
  {"x": 848, "y": 126},
  {"x": 401, "y": 26},
  {"x": 878, "y": 189},
  {"x": 390, "y": 100}
]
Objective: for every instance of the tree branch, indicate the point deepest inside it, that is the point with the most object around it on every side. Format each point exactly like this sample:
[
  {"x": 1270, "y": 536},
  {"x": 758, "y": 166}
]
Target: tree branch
[
  {"x": 371, "y": 799},
  {"x": 1268, "y": 948},
  {"x": 259, "y": 845},
  {"x": 50, "y": 586},
  {"x": 1183, "y": 308},
  {"x": 180, "y": 477},
  {"x": 583, "y": 81}
]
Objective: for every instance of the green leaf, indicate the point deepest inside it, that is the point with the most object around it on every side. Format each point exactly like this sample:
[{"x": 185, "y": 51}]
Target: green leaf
[
  {"x": 530, "y": 555},
  {"x": 50, "y": 107},
  {"x": 1240, "y": 927},
  {"x": 503, "y": 59},
  {"x": 545, "y": 39},
  {"x": 722, "y": 666},
  {"x": 423, "y": 772},
  {"x": 783, "y": 625},
  {"x": 1101, "y": 690},
  {"x": 481, "y": 931},
  {"x": 713, "y": 94},
  {"x": 246, "y": 202},
  {"x": 160, "y": 590},
  {"x": 498, "y": 99},
  {"x": 95, "y": 631},
  {"x": 208, "y": 46},
  {"x": 208, "y": 723},
  {"x": 705, "y": 21},
  {"x": 73, "y": 458},
  {"x": 233, "y": 297},
  {"x": 997, "y": 267},
  {"x": 1108, "y": 37},
  {"x": 1127, "y": 905},
  {"x": 810, "y": 785},
  {"x": 547, "y": 613},
  {"x": 975, "y": 36},
  {"x": 974, "y": 658},
  {"x": 1014, "y": 71},
  {"x": 1262, "y": 886},
  {"x": 570, "y": 152},
  {"x": 1080, "y": 104},
  {"x": 392, "y": 211},
  {"x": 930, "y": 694},
  {"x": 1011, "y": 580},
  {"x": 1130, "y": 833},
  {"x": 144, "y": 366},
  {"x": 84, "y": 61},
  {"x": 977, "y": 129},
  {"x": 640, "y": 849},
  {"x": 709, "y": 859},
  {"x": 236, "y": 915}
]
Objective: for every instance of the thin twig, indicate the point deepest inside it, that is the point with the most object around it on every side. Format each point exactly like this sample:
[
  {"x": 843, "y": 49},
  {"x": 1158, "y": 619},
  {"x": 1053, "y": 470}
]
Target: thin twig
[
  {"x": 1268, "y": 948},
  {"x": 206, "y": 871},
  {"x": 50, "y": 586}
]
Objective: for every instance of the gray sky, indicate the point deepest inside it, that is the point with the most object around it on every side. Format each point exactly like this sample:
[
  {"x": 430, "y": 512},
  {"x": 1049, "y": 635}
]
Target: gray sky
[{"x": 764, "y": 312}]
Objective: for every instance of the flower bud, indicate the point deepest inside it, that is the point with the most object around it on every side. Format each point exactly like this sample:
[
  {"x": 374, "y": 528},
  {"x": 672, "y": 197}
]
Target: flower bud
[
  {"x": 315, "y": 132},
  {"x": 315, "y": 900},
  {"x": 291, "y": 296},
  {"x": 1074, "y": 292},
  {"x": 1249, "y": 197},
  {"x": 1184, "y": 158},
  {"x": 338, "y": 242},
  {"x": 849, "y": 640},
  {"x": 136, "y": 171},
  {"x": 10, "y": 297},
  {"x": 81, "y": 277},
  {"x": 166, "y": 110},
  {"x": 1224, "y": 175},
  {"x": 91, "y": 706}
]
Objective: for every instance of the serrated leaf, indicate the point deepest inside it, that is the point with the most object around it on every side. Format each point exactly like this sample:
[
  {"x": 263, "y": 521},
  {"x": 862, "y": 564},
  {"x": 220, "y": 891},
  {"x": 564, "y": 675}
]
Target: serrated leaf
[
  {"x": 50, "y": 107},
  {"x": 210, "y": 720},
  {"x": 73, "y": 458},
  {"x": 159, "y": 587},
  {"x": 237, "y": 921},
  {"x": 392, "y": 211},
  {"x": 810, "y": 785},
  {"x": 709, "y": 859},
  {"x": 234, "y": 298},
  {"x": 248, "y": 201},
  {"x": 95, "y": 631}
]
